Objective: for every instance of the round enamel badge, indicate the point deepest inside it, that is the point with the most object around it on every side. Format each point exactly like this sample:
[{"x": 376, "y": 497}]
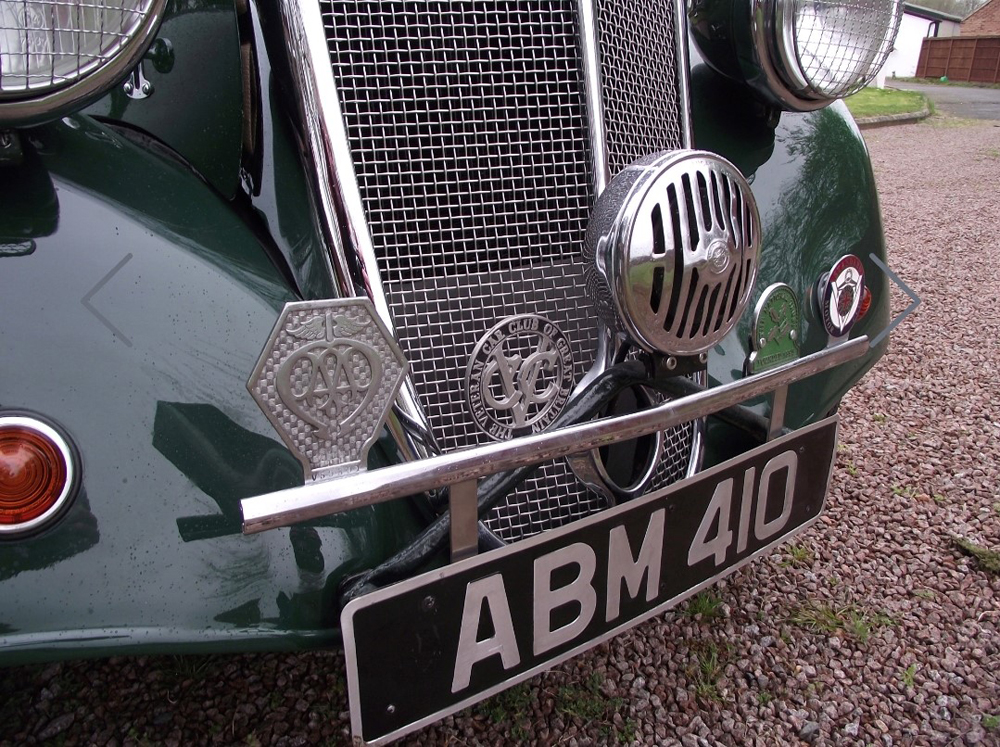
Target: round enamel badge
[
  {"x": 841, "y": 293},
  {"x": 775, "y": 338},
  {"x": 519, "y": 377}
]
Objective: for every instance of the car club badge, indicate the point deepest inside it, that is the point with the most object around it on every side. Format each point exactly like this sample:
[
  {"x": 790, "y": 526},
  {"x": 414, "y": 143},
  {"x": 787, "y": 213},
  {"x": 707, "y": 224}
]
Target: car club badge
[
  {"x": 326, "y": 380},
  {"x": 840, "y": 294},
  {"x": 775, "y": 334},
  {"x": 519, "y": 377}
]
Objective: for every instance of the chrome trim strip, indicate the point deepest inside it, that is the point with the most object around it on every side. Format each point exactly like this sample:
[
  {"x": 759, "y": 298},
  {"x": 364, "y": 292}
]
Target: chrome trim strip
[
  {"x": 352, "y": 262},
  {"x": 24, "y": 109},
  {"x": 777, "y": 421},
  {"x": 331, "y": 157},
  {"x": 347, "y": 616},
  {"x": 314, "y": 500},
  {"x": 464, "y": 529},
  {"x": 684, "y": 65},
  {"x": 767, "y": 59},
  {"x": 584, "y": 466},
  {"x": 18, "y": 421},
  {"x": 698, "y": 437},
  {"x": 595, "y": 96}
]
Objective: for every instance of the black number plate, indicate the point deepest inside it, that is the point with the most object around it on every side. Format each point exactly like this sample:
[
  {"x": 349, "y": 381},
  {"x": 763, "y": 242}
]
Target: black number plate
[{"x": 434, "y": 644}]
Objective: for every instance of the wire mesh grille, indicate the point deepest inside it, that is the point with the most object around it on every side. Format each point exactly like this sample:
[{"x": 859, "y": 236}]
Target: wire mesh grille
[
  {"x": 840, "y": 45},
  {"x": 643, "y": 110},
  {"x": 466, "y": 122},
  {"x": 49, "y": 44},
  {"x": 676, "y": 456}
]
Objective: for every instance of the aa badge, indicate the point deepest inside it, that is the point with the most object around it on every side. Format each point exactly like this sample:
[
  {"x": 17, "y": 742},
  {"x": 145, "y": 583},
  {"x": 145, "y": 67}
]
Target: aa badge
[
  {"x": 326, "y": 380},
  {"x": 775, "y": 336}
]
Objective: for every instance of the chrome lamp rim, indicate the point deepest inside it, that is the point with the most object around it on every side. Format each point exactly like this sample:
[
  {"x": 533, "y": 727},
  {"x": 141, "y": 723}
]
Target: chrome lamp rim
[
  {"x": 773, "y": 37},
  {"x": 775, "y": 53},
  {"x": 16, "y": 531},
  {"x": 26, "y": 108}
]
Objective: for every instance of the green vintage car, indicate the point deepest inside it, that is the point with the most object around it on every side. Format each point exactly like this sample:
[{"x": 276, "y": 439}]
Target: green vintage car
[{"x": 463, "y": 334}]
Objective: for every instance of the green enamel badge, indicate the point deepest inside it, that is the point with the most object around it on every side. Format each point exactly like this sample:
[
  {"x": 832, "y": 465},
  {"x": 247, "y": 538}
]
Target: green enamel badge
[{"x": 775, "y": 338}]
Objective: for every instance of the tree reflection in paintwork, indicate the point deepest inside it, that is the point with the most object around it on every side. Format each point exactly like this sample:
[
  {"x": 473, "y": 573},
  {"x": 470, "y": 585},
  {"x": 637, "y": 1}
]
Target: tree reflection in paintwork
[
  {"x": 812, "y": 181},
  {"x": 820, "y": 214}
]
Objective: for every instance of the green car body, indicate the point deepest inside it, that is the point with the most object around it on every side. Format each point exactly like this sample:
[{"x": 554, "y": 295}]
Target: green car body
[{"x": 140, "y": 276}]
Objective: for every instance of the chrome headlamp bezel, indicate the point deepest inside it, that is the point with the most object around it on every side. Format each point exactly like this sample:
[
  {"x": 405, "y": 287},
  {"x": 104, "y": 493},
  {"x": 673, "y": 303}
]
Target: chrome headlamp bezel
[
  {"x": 35, "y": 106},
  {"x": 784, "y": 50},
  {"x": 756, "y": 44}
]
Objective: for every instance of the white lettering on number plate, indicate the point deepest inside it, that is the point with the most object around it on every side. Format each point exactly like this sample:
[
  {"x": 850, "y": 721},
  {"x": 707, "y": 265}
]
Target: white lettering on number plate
[
  {"x": 719, "y": 509},
  {"x": 487, "y": 597}
]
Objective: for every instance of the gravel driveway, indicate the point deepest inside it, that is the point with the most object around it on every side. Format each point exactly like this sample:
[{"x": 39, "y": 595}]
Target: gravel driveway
[{"x": 872, "y": 629}]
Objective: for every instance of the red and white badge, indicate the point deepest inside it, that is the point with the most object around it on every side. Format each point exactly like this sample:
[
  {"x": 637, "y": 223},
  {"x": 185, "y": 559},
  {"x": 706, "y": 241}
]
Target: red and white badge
[{"x": 840, "y": 295}]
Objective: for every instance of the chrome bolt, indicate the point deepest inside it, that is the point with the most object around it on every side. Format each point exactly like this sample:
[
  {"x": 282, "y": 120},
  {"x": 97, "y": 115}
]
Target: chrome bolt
[
  {"x": 762, "y": 341},
  {"x": 671, "y": 363},
  {"x": 428, "y": 604},
  {"x": 390, "y": 709},
  {"x": 703, "y": 357},
  {"x": 793, "y": 334},
  {"x": 147, "y": 88},
  {"x": 128, "y": 88}
]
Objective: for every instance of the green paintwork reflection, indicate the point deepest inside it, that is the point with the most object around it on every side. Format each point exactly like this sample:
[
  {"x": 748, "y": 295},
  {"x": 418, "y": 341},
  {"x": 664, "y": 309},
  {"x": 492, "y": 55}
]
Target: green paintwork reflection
[
  {"x": 282, "y": 196},
  {"x": 197, "y": 103},
  {"x": 30, "y": 206},
  {"x": 812, "y": 179},
  {"x": 149, "y": 556},
  {"x": 224, "y": 460},
  {"x": 80, "y": 534},
  {"x": 197, "y": 109}
]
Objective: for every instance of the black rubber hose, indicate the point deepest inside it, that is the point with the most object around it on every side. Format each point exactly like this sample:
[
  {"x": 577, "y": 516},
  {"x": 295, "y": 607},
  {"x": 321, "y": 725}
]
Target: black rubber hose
[
  {"x": 736, "y": 416},
  {"x": 492, "y": 489}
]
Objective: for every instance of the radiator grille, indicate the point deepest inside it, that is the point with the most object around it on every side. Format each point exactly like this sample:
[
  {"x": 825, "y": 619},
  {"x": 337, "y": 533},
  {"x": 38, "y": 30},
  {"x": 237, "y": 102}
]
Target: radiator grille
[
  {"x": 466, "y": 122},
  {"x": 643, "y": 110}
]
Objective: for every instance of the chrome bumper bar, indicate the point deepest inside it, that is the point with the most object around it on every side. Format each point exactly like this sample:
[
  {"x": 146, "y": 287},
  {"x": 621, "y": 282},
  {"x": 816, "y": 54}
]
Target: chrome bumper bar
[{"x": 463, "y": 468}]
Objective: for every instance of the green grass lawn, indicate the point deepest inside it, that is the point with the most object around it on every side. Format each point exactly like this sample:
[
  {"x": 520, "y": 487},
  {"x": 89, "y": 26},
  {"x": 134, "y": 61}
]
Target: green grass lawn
[{"x": 876, "y": 102}]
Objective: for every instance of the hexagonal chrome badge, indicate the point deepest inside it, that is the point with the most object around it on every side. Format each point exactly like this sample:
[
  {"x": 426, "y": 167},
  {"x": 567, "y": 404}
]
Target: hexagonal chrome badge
[{"x": 326, "y": 380}]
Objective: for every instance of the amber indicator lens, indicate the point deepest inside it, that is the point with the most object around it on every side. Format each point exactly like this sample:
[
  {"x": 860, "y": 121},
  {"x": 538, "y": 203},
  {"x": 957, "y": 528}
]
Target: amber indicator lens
[
  {"x": 33, "y": 474},
  {"x": 866, "y": 303}
]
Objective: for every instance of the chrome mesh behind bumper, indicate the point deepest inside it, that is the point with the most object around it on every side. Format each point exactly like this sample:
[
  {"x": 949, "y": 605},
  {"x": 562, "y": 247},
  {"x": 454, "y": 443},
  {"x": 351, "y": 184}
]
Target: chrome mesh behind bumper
[{"x": 467, "y": 125}]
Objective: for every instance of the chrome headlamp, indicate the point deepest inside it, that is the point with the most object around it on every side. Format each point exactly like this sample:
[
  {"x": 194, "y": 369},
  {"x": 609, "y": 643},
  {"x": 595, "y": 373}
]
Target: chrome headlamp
[
  {"x": 56, "y": 56},
  {"x": 798, "y": 54}
]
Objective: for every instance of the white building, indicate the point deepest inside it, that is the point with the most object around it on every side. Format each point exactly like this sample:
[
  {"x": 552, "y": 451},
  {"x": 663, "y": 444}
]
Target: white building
[{"x": 917, "y": 23}]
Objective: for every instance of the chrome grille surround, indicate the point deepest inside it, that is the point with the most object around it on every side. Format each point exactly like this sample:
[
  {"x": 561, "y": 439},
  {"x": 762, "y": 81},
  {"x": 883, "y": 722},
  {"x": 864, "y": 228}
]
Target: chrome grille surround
[{"x": 461, "y": 212}]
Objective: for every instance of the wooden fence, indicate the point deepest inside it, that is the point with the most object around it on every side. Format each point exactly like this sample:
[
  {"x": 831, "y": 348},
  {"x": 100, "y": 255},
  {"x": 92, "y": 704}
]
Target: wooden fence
[{"x": 970, "y": 58}]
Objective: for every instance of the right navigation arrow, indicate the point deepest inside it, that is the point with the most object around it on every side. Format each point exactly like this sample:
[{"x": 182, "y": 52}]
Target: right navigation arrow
[{"x": 906, "y": 289}]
